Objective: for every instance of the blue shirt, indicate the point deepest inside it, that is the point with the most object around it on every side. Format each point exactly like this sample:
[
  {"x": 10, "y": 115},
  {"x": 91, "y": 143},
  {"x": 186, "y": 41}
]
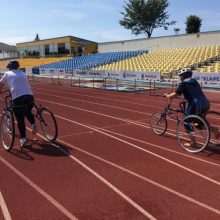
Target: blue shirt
[{"x": 192, "y": 92}]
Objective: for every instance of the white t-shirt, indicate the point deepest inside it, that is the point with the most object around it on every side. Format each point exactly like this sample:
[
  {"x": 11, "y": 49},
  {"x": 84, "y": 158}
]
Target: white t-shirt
[{"x": 17, "y": 83}]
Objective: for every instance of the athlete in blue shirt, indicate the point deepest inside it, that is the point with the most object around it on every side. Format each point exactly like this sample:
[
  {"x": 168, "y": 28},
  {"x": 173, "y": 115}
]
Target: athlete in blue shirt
[{"x": 198, "y": 104}]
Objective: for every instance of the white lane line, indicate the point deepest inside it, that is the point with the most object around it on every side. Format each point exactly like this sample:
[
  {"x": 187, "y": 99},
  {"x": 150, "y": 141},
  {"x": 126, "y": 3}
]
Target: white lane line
[
  {"x": 144, "y": 150},
  {"x": 94, "y": 95},
  {"x": 103, "y": 179},
  {"x": 126, "y": 121},
  {"x": 124, "y": 109},
  {"x": 96, "y": 103},
  {"x": 89, "y": 96},
  {"x": 164, "y": 100},
  {"x": 106, "y": 182},
  {"x": 132, "y": 173},
  {"x": 4, "y": 208},
  {"x": 102, "y": 114},
  {"x": 141, "y": 177},
  {"x": 39, "y": 190},
  {"x": 157, "y": 146},
  {"x": 116, "y": 190},
  {"x": 139, "y": 208},
  {"x": 108, "y": 116},
  {"x": 60, "y": 207}
]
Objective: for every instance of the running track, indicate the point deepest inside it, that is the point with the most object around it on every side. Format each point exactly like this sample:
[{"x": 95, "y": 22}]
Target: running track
[{"x": 107, "y": 164}]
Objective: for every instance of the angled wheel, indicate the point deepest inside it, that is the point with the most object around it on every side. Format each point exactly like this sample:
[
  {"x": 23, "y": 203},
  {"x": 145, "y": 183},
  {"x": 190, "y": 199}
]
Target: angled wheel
[
  {"x": 158, "y": 123},
  {"x": 48, "y": 124},
  {"x": 7, "y": 131},
  {"x": 193, "y": 133}
]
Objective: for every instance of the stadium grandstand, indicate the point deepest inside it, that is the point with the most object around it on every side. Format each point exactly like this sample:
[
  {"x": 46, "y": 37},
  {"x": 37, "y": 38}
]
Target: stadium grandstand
[
  {"x": 168, "y": 61},
  {"x": 31, "y": 62},
  {"x": 163, "y": 55},
  {"x": 93, "y": 60}
]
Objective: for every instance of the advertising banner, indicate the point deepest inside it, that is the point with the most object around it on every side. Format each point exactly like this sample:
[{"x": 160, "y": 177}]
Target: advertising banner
[
  {"x": 114, "y": 74},
  {"x": 153, "y": 76},
  {"x": 43, "y": 71},
  {"x": 80, "y": 73},
  {"x": 209, "y": 79},
  {"x": 96, "y": 73},
  {"x": 89, "y": 73},
  {"x": 130, "y": 75}
]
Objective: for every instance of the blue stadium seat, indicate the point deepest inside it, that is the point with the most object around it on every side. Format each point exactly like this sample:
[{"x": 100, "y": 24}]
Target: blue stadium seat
[{"x": 93, "y": 60}]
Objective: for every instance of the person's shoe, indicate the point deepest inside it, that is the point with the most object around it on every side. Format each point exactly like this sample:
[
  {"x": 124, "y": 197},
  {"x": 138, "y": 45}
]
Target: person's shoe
[
  {"x": 34, "y": 129},
  {"x": 23, "y": 141},
  {"x": 190, "y": 144}
]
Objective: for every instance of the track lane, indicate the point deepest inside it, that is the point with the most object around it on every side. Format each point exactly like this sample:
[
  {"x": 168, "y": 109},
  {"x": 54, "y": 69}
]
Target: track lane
[
  {"x": 82, "y": 198},
  {"x": 25, "y": 202},
  {"x": 86, "y": 132}
]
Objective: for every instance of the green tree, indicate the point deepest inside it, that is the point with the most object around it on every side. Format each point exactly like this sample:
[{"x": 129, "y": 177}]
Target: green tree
[
  {"x": 142, "y": 17},
  {"x": 37, "y": 38},
  {"x": 193, "y": 24}
]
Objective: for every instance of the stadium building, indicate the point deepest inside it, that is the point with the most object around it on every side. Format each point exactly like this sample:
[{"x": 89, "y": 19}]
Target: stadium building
[
  {"x": 7, "y": 51},
  {"x": 57, "y": 47}
]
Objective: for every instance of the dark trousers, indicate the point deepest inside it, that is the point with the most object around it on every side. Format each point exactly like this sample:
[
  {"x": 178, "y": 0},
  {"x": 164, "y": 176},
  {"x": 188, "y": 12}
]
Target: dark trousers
[{"x": 22, "y": 107}]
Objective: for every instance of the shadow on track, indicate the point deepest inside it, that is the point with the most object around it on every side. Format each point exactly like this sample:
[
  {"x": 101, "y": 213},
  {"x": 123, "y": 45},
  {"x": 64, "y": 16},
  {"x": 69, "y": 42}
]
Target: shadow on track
[
  {"x": 40, "y": 147},
  {"x": 212, "y": 151}
]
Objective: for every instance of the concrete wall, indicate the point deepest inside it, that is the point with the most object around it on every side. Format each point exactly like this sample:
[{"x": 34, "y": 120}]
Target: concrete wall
[{"x": 176, "y": 41}]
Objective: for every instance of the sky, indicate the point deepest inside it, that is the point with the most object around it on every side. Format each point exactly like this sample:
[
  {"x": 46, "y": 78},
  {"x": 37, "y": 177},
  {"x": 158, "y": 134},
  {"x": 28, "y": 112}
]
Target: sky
[{"x": 95, "y": 20}]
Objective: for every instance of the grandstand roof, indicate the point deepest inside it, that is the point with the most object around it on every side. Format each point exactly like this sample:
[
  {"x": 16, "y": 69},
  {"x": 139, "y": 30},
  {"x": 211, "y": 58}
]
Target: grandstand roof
[{"x": 7, "y": 48}]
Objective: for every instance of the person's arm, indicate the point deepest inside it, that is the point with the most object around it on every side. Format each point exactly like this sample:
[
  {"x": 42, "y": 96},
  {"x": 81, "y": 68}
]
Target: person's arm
[
  {"x": 3, "y": 81},
  {"x": 171, "y": 95},
  {"x": 178, "y": 91}
]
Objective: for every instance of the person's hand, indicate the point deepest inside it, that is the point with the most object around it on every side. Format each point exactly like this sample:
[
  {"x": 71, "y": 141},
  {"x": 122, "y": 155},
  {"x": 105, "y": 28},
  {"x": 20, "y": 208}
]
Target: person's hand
[{"x": 165, "y": 94}]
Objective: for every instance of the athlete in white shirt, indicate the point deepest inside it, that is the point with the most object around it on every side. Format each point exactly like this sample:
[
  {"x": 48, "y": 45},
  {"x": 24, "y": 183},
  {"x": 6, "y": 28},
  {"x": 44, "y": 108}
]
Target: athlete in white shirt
[{"x": 22, "y": 98}]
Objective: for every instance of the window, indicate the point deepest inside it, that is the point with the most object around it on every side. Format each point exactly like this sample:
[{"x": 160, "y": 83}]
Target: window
[
  {"x": 61, "y": 48},
  {"x": 46, "y": 49}
]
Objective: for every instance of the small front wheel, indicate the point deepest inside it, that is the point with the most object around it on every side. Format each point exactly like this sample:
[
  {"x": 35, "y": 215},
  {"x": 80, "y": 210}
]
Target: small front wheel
[
  {"x": 7, "y": 131},
  {"x": 193, "y": 133},
  {"x": 48, "y": 124},
  {"x": 158, "y": 123}
]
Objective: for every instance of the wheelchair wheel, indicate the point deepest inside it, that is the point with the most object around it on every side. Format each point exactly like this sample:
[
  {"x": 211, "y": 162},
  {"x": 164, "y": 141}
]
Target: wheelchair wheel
[
  {"x": 193, "y": 133},
  {"x": 7, "y": 131},
  {"x": 158, "y": 123},
  {"x": 48, "y": 124}
]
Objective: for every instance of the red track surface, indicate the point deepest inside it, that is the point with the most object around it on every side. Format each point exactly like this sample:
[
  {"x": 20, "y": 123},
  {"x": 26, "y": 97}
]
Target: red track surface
[{"x": 107, "y": 164}]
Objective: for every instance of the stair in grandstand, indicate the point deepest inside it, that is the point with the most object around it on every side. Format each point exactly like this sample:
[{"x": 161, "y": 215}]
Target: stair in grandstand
[
  {"x": 207, "y": 61},
  {"x": 210, "y": 65}
]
